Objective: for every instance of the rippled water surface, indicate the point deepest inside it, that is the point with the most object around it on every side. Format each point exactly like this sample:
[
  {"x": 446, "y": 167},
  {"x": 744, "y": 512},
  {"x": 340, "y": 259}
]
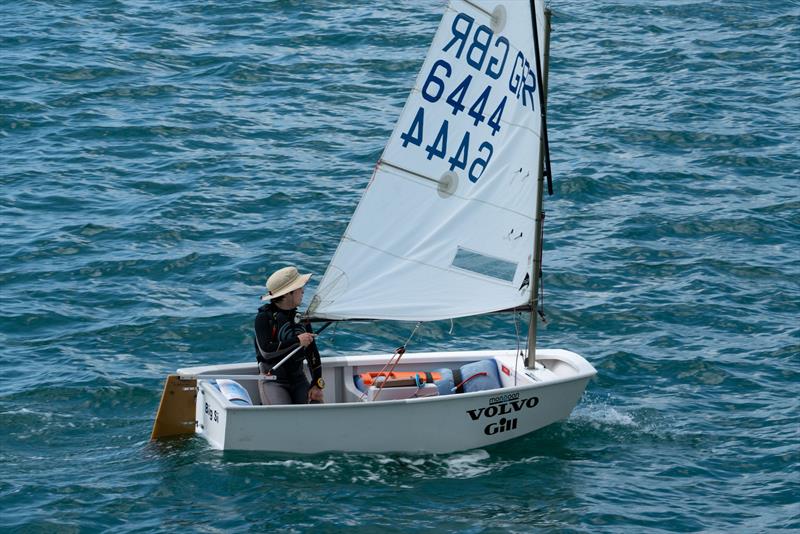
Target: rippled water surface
[{"x": 158, "y": 158}]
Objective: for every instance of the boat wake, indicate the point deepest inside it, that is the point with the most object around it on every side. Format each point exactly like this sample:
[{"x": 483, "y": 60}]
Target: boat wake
[
  {"x": 391, "y": 470},
  {"x": 600, "y": 420},
  {"x": 601, "y": 416}
]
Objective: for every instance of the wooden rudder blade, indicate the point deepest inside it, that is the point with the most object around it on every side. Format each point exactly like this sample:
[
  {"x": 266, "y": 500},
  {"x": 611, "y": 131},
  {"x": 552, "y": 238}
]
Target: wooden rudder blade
[{"x": 176, "y": 411}]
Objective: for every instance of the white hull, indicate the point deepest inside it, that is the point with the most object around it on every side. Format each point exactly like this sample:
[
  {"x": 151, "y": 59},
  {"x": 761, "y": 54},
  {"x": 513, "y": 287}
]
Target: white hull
[{"x": 438, "y": 424}]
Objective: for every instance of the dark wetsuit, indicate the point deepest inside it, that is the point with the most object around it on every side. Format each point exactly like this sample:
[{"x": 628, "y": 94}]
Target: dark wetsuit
[{"x": 276, "y": 336}]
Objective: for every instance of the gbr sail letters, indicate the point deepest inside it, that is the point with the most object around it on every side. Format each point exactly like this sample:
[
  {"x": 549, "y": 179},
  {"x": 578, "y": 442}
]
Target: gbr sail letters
[{"x": 470, "y": 83}]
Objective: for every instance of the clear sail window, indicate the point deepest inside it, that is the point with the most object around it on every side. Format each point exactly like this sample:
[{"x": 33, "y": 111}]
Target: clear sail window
[{"x": 476, "y": 262}]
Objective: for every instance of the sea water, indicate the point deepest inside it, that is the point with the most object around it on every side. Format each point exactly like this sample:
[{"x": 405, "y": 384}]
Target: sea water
[{"x": 159, "y": 159}]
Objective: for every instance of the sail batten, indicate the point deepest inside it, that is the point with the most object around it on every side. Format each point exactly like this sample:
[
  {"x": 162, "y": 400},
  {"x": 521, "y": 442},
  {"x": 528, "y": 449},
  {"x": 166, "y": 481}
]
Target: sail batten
[
  {"x": 477, "y": 6},
  {"x": 404, "y": 172},
  {"x": 446, "y": 226},
  {"x": 408, "y": 171}
]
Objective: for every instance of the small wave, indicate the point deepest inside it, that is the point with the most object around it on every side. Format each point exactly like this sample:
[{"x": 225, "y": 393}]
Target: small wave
[
  {"x": 607, "y": 416},
  {"x": 468, "y": 465},
  {"x": 598, "y": 420}
]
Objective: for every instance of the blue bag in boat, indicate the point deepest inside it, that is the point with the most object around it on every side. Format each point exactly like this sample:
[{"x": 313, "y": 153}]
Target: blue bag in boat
[
  {"x": 445, "y": 384},
  {"x": 359, "y": 383},
  {"x": 480, "y": 376}
]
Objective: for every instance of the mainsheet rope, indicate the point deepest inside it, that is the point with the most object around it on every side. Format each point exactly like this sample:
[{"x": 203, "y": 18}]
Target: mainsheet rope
[{"x": 399, "y": 351}]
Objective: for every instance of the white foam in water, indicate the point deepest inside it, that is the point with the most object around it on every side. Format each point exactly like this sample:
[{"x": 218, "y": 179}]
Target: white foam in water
[
  {"x": 467, "y": 465},
  {"x": 599, "y": 413},
  {"x": 610, "y": 416},
  {"x": 291, "y": 464},
  {"x": 416, "y": 462}
]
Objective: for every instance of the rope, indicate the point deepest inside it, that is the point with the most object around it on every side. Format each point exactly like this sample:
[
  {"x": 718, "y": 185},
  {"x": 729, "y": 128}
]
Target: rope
[
  {"x": 420, "y": 384},
  {"x": 540, "y": 311},
  {"x": 399, "y": 351},
  {"x": 412, "y": 334},
  {"x": 482, "y": 373}
]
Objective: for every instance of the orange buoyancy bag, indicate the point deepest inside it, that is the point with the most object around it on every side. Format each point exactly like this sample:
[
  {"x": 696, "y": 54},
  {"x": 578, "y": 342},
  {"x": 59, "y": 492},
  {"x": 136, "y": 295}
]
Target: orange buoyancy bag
[{"x": 369, "y": 379}]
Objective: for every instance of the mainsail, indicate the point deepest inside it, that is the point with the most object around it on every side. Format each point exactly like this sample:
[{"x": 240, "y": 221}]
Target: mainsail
[{"x": 445, "y": 227}]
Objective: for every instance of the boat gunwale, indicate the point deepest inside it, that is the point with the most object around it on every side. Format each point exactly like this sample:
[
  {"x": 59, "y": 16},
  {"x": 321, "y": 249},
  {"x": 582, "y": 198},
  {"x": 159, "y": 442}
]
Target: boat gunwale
[
  {"x": 581, "y": 372},
  {"x": 569, "y": 357}
]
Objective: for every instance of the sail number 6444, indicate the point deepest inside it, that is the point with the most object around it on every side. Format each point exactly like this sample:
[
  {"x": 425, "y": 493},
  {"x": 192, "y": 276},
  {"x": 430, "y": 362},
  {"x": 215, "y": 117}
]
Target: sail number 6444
[
  {"x": 438, "y": 148},
  {"x": 433, "y": 90}
]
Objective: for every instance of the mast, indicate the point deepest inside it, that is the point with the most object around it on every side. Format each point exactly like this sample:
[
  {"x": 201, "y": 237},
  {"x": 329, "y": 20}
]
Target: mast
[{"x": 544, "y": 158}]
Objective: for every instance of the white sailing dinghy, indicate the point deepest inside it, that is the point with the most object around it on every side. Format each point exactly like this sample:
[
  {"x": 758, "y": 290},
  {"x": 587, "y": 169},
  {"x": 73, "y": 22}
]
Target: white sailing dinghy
[{"x": 449, "y": 226}]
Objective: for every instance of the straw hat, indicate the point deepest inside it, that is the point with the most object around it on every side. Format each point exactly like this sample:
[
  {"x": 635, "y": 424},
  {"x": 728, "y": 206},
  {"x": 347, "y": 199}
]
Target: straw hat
[{"x": 284, "y": 281}]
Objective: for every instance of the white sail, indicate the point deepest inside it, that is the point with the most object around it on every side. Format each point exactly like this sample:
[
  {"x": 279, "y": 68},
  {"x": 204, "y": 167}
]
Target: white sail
[{"x": 445, "y": 227}]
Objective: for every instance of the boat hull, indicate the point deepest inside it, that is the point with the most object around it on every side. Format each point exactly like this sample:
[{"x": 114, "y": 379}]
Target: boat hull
[{"x": 437, "y": 424}]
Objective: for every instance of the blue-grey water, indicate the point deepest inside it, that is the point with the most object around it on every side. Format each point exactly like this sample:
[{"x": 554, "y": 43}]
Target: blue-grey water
[{"x": 159, "y": 159}]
